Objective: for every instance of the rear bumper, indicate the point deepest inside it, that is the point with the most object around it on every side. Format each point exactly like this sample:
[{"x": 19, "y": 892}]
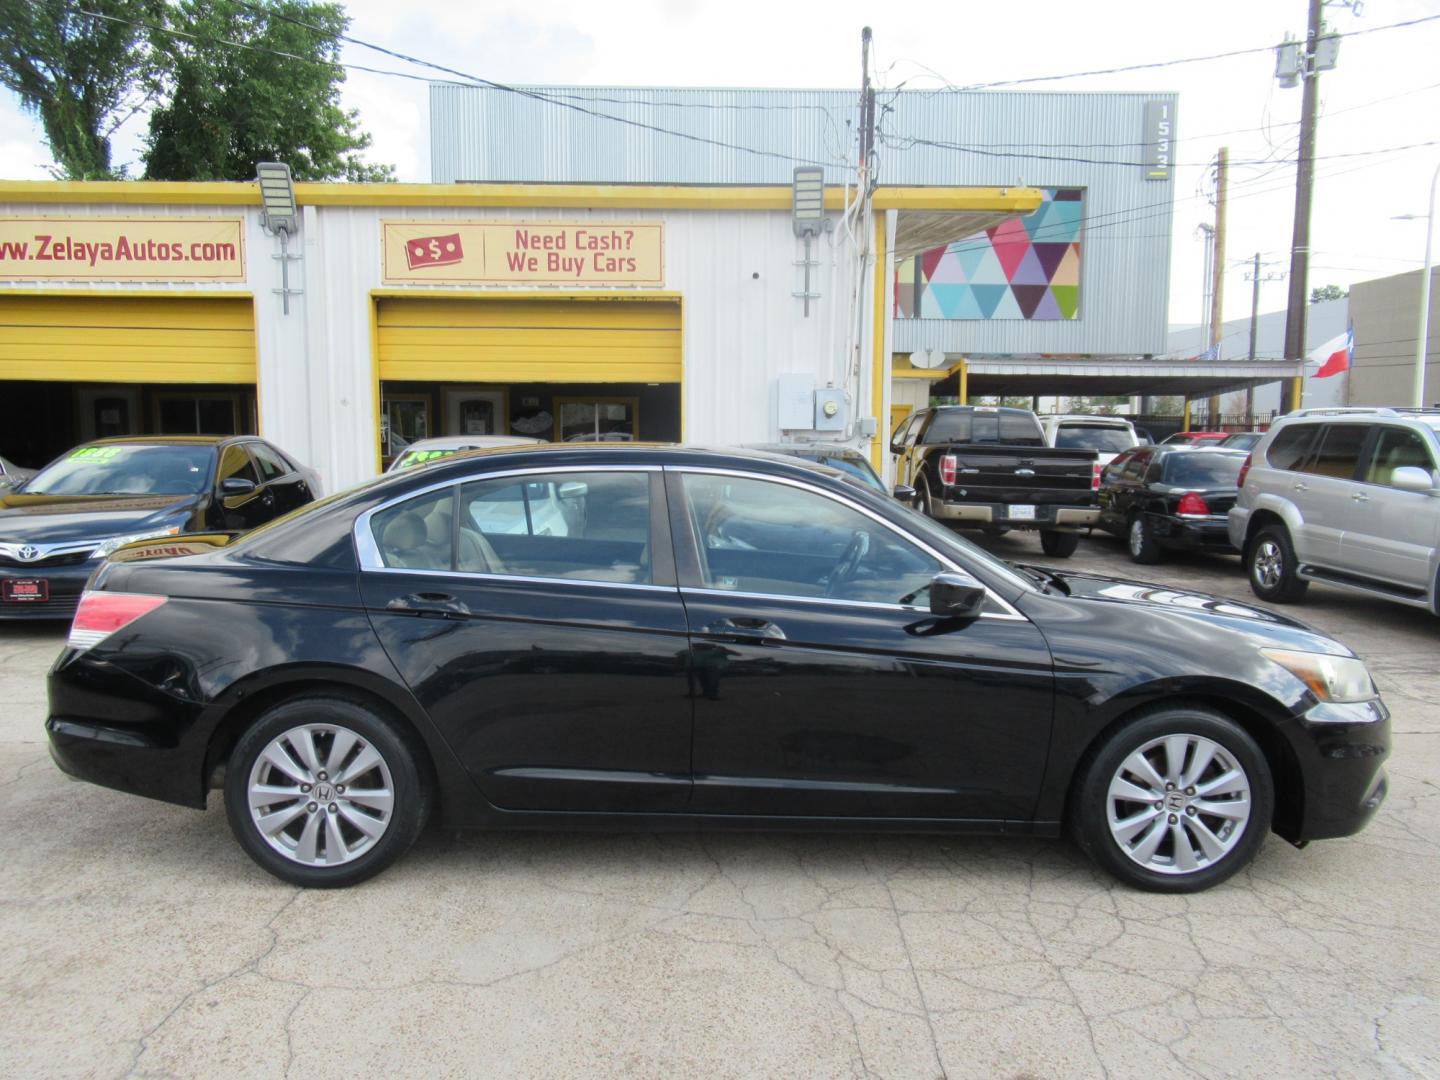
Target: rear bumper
[
  {"x": 66, "y": 584},
  {"x": 1194, "y": 534},
  {"x": 1046, "y": 517}
]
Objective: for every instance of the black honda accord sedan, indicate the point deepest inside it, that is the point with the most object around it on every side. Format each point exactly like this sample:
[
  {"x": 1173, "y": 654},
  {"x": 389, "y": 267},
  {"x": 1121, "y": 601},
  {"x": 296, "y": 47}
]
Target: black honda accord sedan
[{"x": 622, "y": 636}]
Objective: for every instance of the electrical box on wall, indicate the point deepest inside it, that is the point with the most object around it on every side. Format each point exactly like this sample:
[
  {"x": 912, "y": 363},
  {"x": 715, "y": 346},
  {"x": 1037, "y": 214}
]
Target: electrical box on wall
[
  {"x": 795, "y": 402},
  {"x": 829, "y": 409}
]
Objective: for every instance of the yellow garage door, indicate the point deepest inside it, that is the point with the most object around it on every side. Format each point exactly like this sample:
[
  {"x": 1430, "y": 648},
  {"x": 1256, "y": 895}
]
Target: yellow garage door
[
  {"x": 544, "y": 341},
  {"x": 116, "y": 339}
]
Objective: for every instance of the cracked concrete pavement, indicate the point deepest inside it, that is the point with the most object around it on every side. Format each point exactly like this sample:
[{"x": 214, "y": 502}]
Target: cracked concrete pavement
[{"x": 137, "y": 940}]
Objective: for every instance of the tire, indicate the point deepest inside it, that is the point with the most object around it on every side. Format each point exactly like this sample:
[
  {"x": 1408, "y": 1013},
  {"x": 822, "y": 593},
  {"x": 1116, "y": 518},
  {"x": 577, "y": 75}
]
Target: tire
[
  {"x": 1271, "y": 566},
  {"x": 1140, "y": 542},
  {"x": 1120, "y": 834},
  {"x": 346, "y": 837},
  {"x": 1057, "y": 544}
]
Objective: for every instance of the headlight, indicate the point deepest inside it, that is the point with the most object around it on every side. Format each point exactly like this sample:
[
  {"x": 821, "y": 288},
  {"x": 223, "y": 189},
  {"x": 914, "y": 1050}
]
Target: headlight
[
  {"x": 116, "y": 542},
  {"x": 1330, "y": 678}
]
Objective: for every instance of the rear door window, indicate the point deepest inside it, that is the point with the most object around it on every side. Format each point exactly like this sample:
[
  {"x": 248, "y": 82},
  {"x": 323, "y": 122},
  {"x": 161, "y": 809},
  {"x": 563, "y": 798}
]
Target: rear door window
[
  {"x": 1396, "y": 448},
  {"x": 1291, "y": 446},
  {"x": 235, "y": 464},
  {"x": 272, "y": 467},
  {"x": 1106, "y": 438},
  {"x": 1339, "y": 451},
  {"x": 417, "y": 534}
]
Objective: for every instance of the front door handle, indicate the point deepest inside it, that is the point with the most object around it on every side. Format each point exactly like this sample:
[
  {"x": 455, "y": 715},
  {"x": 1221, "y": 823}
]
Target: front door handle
[
  {"x": 1300, "y": 485},
  {"x": 745, "y": 628},
  {"x": 429, "y": 604},
  {"x": 1360, "y": 497}
]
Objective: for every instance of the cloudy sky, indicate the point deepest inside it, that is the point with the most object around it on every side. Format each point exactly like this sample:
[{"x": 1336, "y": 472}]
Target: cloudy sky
[{"x": 1385, "y": 93}]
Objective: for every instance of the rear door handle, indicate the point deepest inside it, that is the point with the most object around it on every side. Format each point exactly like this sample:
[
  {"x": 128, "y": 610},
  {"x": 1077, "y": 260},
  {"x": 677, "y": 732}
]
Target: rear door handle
[
  {"x": 1360, "y": 496},
  {"x": 746, "y": 628},
  {"x": 429, "y": 604},
  {"x": 1300, "y": 485}
]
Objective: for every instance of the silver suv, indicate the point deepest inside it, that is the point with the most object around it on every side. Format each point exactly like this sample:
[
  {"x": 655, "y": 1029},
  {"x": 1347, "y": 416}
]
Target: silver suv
[{"x": 1349, "y": 497}]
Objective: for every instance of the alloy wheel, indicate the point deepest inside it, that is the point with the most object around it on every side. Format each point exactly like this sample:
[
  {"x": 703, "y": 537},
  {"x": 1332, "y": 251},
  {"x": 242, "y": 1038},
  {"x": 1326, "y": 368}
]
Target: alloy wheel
[
  {"x": 321, "y": 794},
  {"x": 1268, "y": 564},
  {"x": 1178, "y": 804},
  {"x": 1137, "y": 537}
]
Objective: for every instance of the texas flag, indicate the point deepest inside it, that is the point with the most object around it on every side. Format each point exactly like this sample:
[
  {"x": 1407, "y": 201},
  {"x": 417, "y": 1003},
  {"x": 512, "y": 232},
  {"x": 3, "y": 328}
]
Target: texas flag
[{"x": 1334, "y": 356}]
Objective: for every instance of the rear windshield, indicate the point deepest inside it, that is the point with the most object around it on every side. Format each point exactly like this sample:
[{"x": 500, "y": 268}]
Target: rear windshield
[
  {"x": 1202, "y": 470},
  {"x": 1103, "y": 437},
  {"x": 965, "y": 426},
  {"x": 129, "y": 469}
]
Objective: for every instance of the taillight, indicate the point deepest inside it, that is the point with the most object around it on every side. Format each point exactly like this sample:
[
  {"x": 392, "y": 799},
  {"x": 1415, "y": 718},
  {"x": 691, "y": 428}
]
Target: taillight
[
  {"x": 1240, "y": 480},
  {"x": 949, "y": 464},
  {"x": 1191, "y": 503},
  {"x": 1095, "y": 477},
  {"x": 100, "y": 614}
]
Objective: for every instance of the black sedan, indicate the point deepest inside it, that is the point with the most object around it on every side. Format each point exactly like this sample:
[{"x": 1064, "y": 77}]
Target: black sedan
[
  {"x": 56, "y": 526},
  {"x": 1170, "y": 496},
  {"x": 444, "y": 642}
]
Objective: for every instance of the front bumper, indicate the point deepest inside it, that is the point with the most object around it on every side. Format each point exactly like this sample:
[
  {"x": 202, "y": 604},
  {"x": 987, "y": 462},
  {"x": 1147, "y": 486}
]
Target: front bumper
[
  {"x": 1046, "y": 516},
  {"x": 1342, "y": 751},
  {"x": 66, "y": 583},
  {"x": 1237, "y": 520}
]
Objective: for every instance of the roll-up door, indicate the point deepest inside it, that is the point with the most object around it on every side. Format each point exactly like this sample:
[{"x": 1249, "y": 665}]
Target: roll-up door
[
  {"x": 123, "y": 339},
  {"x": 549, "y": 341}
]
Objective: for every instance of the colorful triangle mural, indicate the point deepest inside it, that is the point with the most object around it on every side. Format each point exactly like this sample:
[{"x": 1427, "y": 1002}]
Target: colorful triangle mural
[{"x": 1026, "y": 268}]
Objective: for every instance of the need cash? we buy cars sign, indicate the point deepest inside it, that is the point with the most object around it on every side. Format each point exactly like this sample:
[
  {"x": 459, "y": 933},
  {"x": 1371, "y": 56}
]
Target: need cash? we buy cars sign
[{"x": 520, "y": 253}]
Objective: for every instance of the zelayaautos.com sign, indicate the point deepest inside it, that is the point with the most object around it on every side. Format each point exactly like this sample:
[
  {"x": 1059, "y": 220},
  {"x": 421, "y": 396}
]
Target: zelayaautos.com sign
[{"x": 121, "y": 249}]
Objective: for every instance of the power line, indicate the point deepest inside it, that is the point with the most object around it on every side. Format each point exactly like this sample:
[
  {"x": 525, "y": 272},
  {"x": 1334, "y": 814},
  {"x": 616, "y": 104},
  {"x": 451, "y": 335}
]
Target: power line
[
  {"x": 1169, "y": 63},
  {"x": 520, "y": 91}
]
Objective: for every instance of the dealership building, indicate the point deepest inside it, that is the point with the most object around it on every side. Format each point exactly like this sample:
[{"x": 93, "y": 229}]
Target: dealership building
[{"x": 579, "y": 279}]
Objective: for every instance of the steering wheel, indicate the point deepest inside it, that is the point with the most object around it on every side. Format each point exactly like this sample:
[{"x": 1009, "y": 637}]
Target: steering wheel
[{"x": 849, "y": 562}]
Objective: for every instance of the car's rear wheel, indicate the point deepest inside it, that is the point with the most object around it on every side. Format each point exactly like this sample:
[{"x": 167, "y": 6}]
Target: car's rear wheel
[
  {"x": 1057, "y": 544},
  {"x": 324, "y": 792},
  {"x": 1140, "y": 539},
  {"x": 1177, "y": 800},
  {"x": 1272, "y": 568}
]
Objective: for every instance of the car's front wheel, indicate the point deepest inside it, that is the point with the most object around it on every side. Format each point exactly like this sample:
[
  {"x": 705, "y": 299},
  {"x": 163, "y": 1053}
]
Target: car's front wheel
[
  {"x": 1271, "y": 565},
  {"x": 1177, "y": 800},
  {"x": 324, "y": 792}
]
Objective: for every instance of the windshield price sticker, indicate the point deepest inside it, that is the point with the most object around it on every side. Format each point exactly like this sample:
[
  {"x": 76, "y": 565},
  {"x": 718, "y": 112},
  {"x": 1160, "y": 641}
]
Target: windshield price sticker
[
  {"x": 419, "y": 457},
  {"x": 95, "y": 453}
]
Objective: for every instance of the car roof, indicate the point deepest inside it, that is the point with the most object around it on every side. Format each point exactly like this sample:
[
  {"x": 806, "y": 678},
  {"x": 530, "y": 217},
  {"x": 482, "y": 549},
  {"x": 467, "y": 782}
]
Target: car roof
[
  {"x": 477, "y": 442},
  {"x": 1086, "y": 418},
  {"x": 176, "y": 440},
  {"x": 805, "y": 449}
]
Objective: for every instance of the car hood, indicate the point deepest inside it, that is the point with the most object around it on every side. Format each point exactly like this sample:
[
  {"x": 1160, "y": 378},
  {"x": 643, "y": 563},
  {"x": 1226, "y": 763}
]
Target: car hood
[
  {"x": 1263, "y": 626},
  {"x": 51, "y": 519}
]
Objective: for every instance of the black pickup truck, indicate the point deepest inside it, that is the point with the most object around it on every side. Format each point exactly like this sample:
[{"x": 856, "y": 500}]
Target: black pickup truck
[{"x": 985, "y": 467}]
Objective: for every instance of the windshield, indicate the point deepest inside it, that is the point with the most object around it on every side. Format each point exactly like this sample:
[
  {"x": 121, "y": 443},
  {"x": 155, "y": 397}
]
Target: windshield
[
  {"x": 857, "y": 467},
  {"x": 1103, "y": 437},
  {"x": 1201, "y": 470},
  {"x": 128, "y": 469},
  {"x": 932, "y": 531}
]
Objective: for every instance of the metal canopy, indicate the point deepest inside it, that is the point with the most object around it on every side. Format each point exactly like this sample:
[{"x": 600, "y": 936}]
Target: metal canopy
[{"x": 1126, "y": 376}]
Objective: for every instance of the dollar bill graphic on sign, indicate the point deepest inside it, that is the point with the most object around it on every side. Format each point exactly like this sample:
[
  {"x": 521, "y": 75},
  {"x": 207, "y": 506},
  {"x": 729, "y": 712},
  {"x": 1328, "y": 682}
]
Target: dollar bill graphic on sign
[{"x": 433, "y": 251}]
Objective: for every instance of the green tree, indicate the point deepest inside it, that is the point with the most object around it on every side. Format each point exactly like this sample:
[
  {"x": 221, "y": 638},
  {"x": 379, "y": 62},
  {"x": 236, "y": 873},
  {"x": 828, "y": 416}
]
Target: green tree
[
  {"x": 81, "y": 74},
  {"x": 234, "y": 100},
  {"x": 1327, "y": 292},
  {"x": 1098, "y": 406}
]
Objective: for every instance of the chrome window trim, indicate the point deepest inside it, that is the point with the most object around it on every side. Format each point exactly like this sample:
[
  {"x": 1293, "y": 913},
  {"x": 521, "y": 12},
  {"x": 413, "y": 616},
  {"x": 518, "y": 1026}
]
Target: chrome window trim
[
  {"x": 783, "y": 598},
  {"x": 367, "y": 552},
  {"x": 1010, "y": 613},
  {"x": 472, "y": 575}
]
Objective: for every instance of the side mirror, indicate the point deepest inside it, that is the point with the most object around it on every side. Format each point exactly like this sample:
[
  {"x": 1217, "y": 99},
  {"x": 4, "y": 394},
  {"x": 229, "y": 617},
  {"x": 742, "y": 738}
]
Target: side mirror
[
  {"x": 236, "y": 485},
  {"x": 956, "y": 596},
  {"x": 904, "y": 492},
  {"x": 1412, "y": 478},
  {"x": 897, "y": 448}
]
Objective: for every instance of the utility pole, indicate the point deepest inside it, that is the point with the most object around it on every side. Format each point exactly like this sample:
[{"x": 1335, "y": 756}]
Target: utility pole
[
  {"x": 1255, "y": 277},
  {"x": 1304, "y": 189},
  {"x": 1217, "y": 269}
]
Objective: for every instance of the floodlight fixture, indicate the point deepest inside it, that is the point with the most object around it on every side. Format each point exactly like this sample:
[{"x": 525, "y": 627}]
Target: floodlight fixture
[
  {"x": 807, "y": 201},
  {"x": 277, "y": 197}
]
